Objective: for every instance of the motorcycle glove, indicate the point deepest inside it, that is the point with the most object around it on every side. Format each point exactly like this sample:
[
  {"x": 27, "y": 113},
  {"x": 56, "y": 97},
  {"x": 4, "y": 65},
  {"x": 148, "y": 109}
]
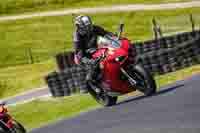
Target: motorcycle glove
[{"x": 87, "y": 61}]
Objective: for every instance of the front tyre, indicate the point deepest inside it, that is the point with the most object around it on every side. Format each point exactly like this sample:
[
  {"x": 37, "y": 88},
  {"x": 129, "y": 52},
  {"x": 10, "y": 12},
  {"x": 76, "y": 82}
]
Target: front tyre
[
  {"x": 4, "y": 128},
  {"x": 18, "y": 127},
  {"x": 145, "y": 81},
  {"x": 102, "y": 98}
]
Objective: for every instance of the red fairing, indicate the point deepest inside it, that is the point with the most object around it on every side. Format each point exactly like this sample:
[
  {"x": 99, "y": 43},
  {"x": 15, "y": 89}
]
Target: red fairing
[
  {"x": 98, "y": 53},
  {"x": 111, "y": 68},
  {"x": 111, "y": 74},
  {"x": 1, "y": 115},
  {"x": 9, "y": 123},
  {"x": 125, "y": 44}
]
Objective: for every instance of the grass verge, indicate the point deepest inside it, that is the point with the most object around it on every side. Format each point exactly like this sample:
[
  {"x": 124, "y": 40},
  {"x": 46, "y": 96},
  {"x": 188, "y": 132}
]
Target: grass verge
[
  {"x": 39, "y": 112},
  {"x": 50, "y": 35},
  {"x": 14, "y": 80},
  {"x": 22, "y": 6},
  {"x": 46, "y": 36}
]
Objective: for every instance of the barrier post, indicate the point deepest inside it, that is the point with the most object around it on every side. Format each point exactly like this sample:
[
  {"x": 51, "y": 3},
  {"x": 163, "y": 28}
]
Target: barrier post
[
  {"x": 192, "y": 22},
  {"x": 157, "y": 30},
  {"x": 30, "y": 56}
]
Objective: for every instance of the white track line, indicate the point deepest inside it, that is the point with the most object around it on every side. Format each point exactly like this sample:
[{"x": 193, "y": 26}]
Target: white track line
[{"x": 131, "y": 7}]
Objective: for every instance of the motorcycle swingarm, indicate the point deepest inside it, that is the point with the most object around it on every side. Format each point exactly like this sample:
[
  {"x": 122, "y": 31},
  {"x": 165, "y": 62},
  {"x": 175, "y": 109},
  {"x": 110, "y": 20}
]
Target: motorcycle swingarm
[
  {"x": 130, "y": 79},
  {"x": 109, "y": 93}
]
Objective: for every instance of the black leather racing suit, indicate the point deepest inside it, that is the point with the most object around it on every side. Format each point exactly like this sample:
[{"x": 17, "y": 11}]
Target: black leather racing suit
[{"x": 83, "y": 43}]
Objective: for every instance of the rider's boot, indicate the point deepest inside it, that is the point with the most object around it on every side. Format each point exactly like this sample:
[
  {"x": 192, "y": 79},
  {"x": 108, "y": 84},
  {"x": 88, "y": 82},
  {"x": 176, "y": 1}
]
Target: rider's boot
[{"x": 90, "y": 78}]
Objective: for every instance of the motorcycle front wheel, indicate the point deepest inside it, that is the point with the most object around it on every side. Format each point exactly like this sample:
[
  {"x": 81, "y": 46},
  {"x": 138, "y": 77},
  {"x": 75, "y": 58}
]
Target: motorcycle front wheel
[
  {"x": 18, "y": 128},
  {"x": 145, "y": 82},
  {"x": 4, "y": 128},
  {"x": 102, "y": 98}
]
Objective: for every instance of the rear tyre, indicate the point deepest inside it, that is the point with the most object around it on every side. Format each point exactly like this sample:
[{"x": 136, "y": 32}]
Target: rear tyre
[
  {"x": 145, "y": 81},
  {"x": 102, "y": 98}
]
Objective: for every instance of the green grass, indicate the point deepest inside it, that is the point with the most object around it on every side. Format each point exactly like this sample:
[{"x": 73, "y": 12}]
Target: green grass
[
  {"x": 14, "y": 80},
  {"x": 50, "y": 35},
  {"x": 178, "y": 75},
  {"x": 21, "y": 6},
  {"x": 40, "y": 112}
]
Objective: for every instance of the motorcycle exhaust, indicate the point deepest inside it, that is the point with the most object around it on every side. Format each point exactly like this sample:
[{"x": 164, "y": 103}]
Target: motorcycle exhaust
[
  {"x": 131, "y": 80},
  {"x": 113, "y": 94},
  {"x": 94, "y": 88},
  {"x": 99, "y": 90}
]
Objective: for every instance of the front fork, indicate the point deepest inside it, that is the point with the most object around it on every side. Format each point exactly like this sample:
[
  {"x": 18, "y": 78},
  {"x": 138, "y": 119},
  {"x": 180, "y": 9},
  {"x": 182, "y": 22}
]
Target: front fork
[{"x": 130, "y": 79}]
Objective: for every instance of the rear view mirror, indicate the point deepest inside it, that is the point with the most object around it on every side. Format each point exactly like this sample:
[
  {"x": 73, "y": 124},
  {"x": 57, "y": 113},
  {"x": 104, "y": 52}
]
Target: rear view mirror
[
  {"x": 121, "y": 26},
  {"x": 120, "y": 29}
]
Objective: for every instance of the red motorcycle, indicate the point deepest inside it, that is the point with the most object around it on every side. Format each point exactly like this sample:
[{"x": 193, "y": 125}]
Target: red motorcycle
[
  {"x": 7, "y": 123},
  {"x": 119, "y": 75}
]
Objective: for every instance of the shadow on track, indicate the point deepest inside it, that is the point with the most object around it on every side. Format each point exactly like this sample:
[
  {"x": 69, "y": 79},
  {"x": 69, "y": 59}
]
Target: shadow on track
[{"x": 160, "y": 92}]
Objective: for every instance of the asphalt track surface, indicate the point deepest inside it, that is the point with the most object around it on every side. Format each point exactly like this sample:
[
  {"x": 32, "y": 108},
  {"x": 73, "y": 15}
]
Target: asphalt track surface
[
  {"x": 174, "y": 109},
  {"x": 27, "y": 96}
]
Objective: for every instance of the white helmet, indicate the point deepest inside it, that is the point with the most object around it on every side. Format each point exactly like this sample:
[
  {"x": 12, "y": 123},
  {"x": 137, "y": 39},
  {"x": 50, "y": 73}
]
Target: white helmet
[
  {"x": 2, "y": 103},
  {"x": 83, "y": 24}
]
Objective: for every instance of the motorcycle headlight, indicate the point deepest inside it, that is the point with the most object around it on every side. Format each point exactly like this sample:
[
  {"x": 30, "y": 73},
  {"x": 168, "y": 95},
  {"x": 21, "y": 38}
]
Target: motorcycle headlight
[{"x": 120, "y": 58}]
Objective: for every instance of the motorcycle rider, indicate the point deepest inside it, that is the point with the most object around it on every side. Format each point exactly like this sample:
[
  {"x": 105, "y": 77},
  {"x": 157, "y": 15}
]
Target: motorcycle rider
[
  {"x": 3, "y": 111},
  {"x": 85, "y": 40},
  {"x": 2, "y": 108}
]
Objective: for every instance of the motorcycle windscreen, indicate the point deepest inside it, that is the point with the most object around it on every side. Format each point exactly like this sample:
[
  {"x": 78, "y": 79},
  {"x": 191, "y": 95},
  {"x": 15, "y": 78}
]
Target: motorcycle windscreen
[{"x": 108, "y": 42}]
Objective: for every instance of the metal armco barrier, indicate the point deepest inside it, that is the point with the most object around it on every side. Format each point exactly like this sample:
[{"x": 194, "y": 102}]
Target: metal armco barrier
[{"x": 160, "y": 56}]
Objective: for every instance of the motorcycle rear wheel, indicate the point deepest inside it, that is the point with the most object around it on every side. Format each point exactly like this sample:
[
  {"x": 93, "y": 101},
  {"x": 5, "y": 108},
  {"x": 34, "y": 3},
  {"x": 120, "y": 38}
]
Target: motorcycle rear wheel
[
  {"x": 145, "y": 81},
  {"x": 103, "y": 98}
]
